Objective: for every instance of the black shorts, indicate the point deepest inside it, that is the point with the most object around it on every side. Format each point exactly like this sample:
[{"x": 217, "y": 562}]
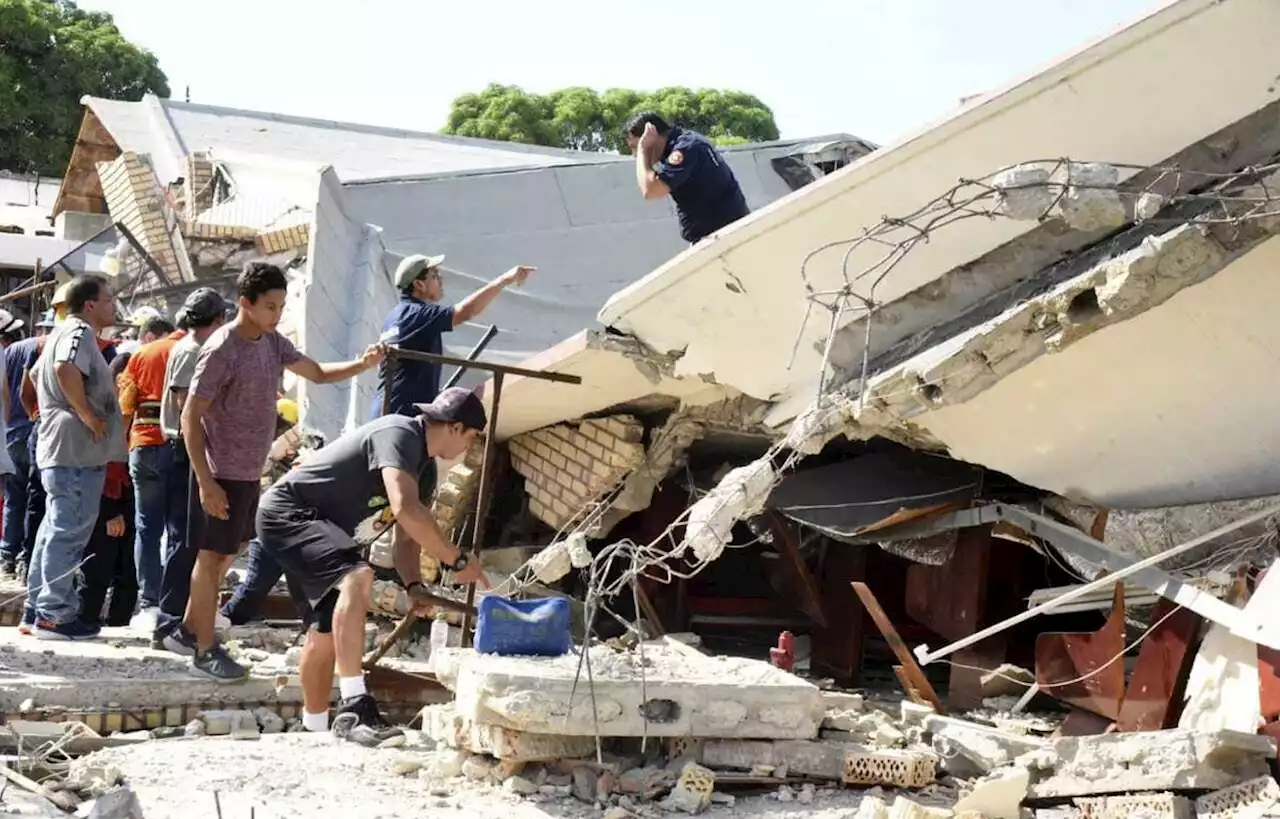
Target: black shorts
[
  {"x": 224, "y": 537},
  {"x": 315, "y": 554}
]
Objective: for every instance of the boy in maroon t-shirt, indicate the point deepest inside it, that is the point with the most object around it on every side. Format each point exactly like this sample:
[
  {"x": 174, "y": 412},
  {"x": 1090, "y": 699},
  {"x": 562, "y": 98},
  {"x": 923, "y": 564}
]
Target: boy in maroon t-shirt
[{"x": 228, "y": 424}]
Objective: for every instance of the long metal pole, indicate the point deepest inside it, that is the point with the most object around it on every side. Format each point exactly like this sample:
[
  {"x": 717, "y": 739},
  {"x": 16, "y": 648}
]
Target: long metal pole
[
  {"x": 471, "y": 356},
  {"x": 487, "y": 474}
]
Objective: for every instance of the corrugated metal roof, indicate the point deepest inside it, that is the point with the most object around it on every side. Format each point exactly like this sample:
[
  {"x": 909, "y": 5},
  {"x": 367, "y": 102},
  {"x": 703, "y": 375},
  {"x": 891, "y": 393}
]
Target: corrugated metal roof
[{"x": 168, "y": 130}]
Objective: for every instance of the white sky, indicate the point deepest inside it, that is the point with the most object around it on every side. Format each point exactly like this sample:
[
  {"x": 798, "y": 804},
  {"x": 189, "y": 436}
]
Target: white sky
[{"x": 878, "y": 69}]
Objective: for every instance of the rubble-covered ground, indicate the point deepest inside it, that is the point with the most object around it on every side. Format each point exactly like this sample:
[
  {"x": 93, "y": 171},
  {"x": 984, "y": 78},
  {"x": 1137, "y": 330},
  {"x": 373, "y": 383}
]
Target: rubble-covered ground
[{"x": 309, "y": 776}]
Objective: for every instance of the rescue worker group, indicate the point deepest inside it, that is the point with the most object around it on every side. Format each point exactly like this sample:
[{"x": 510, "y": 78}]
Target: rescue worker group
[{"x": 134, "y": 469}]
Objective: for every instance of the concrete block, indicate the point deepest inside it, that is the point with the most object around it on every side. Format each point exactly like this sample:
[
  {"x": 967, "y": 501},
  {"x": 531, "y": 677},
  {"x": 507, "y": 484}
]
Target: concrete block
[
  {"x": 1244, "y": 801},
  {"x": 841, "y": 701},
  {"x": 823, "y": 760},
  {"x": 904, "y": 808},
  {"x": 698, "y": 696},
  {"x": 1145, "y": 805},
  {"x": 444, "y": 725},
  {"x": 1179, "y": 759},
  {"x": 967, "y": 748},
  {"x": 999, "y": 796}
]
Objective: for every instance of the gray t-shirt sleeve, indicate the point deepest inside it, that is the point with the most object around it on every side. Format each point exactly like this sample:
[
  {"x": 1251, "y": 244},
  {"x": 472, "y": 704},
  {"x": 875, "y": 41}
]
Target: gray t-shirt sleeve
[
  {"x": 183, "y": 366},
  {"x": 396, "y": 448},
  {"x": 76, "y": 347}
]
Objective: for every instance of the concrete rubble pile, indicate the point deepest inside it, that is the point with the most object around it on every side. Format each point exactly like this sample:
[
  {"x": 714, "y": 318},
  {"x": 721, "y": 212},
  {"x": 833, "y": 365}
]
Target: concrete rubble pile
[{"x": 666, "y": 728}]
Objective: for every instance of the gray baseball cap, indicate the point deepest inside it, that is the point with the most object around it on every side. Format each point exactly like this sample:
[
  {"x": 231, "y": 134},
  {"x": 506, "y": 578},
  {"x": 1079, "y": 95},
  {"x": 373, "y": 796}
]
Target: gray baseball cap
[
  {"x": 414, "y": 266},
  {"x": 203, "y": 304}
]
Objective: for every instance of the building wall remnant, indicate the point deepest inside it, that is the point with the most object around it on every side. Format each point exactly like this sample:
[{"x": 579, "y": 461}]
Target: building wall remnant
[
  {"x": 133, "y": 199},
  {"x": 566, "y": 467}
]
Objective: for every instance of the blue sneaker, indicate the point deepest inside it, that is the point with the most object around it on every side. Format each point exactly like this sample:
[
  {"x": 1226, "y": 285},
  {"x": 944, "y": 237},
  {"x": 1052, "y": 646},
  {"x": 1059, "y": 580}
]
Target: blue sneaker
[{"x": 71, "y": 630}]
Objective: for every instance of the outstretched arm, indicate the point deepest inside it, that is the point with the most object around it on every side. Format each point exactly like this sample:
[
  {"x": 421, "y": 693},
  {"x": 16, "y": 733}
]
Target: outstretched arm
[
  {"x": 474, "y": 305},
  {"x": 329, "y": 373}
]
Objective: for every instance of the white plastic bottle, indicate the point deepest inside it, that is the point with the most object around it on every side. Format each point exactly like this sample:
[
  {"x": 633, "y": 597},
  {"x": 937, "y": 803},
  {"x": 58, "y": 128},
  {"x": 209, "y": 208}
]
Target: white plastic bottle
[{"x": 439, "y": 637}]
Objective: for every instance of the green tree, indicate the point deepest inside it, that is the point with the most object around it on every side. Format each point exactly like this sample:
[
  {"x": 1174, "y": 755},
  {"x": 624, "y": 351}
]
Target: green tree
[
  {"x": 582, "y": 119},
  {"x": 51, "y": 54}
]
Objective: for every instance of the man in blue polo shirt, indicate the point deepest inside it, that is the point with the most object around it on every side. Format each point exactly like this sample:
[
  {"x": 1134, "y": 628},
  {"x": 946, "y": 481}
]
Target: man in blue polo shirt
[
  {"x": 417, "y": 322},
  {"x": 685, "y": 165}
]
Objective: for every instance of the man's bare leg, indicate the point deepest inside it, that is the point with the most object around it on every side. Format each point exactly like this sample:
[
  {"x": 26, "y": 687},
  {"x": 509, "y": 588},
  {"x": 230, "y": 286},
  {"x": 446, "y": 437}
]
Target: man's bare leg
[
  {"x": 348, "y": 627},
  {"x": 315, "y": 670},
  {"x": 202, "y": 604}
]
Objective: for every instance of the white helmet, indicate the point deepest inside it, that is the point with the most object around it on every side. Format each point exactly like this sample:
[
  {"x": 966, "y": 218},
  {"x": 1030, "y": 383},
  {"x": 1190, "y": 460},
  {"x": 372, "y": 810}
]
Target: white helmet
[{"x": 144, "y": 314}]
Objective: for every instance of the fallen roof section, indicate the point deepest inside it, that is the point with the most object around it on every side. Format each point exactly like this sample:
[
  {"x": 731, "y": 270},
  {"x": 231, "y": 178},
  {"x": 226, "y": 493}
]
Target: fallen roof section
[
  {"x": 169, "y": 130},
  {"x": 1129, "y": 97}
]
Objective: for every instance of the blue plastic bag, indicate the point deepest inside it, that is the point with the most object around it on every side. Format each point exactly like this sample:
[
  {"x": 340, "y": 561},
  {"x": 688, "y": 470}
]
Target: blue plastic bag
[{"x": 526, "y": 628}]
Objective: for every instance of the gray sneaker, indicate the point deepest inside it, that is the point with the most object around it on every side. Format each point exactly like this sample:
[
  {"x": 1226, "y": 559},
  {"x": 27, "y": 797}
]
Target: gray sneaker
[
  {"x": 217, "y": 665},
  {"x": 179, "y": 641}
]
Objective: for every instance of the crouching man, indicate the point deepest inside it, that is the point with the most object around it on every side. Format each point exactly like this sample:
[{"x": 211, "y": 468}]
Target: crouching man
[{"x": 318, "y": 521}]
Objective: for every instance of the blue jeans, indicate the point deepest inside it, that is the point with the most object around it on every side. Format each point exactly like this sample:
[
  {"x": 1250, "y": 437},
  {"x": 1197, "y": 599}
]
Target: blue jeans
[
  {"x": 160, "y": 487},
  {"x": 259, "y": 578},
  {"x": 71, "y": 511},
  {"x": 15, "y": 503}
]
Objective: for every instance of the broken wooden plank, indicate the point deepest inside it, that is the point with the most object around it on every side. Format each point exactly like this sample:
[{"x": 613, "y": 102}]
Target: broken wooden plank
[
  {"x": 810, "y": 596},
  {"x": 910, "y": 668}
]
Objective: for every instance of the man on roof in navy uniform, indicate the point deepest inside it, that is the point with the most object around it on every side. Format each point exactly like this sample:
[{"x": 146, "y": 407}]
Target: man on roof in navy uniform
[
  {"x": 417, "y": 322},
  {"x": 684, "y": 164}
]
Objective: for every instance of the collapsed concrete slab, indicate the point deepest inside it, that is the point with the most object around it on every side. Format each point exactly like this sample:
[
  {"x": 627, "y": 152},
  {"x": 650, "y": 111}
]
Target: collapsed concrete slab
[
  {"x": 673, "y": 692},
  {"x": 445, "y": 725},
  {"x": 108, "y": 674},
  {"x": 1153, "y": 761}
]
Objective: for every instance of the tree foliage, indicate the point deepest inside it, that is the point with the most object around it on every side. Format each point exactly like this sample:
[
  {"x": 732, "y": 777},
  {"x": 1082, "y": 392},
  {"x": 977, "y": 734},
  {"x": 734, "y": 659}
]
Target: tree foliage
[
  {"x": 51, "y": 54},
  {"x": 582, "y": 119}
]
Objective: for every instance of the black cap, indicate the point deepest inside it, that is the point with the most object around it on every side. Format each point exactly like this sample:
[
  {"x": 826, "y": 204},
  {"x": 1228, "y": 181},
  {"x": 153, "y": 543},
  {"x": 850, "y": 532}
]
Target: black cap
[
  {"x": 204, "y": 304},
  {"x": 456, "y": 405}
]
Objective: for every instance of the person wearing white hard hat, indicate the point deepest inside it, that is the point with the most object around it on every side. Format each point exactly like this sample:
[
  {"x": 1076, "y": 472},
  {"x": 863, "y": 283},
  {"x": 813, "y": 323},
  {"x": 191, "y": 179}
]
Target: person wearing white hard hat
[{"x": 417, "y": 322}]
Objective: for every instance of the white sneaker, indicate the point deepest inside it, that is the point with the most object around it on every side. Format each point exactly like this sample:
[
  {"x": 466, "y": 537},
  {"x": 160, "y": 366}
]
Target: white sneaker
[{"x": 144, "y": 622}]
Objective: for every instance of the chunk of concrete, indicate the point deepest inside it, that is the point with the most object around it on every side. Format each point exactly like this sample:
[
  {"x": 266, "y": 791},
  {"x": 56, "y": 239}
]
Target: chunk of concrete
[
  {"x": 1007, "y": 680},
  {"x": 88, "y": 775},
  {"x": 1178, "y": 759},
  {"x": 870, "y": 728},
  {"x": 120, "y": 803},
  {"x": 999, "y": 796},
  {"x": 443, "y": 724},
  {"x": 967, "y": 748},
  {"x": 269, "y": 721},
  {"x": 904, "y": 808},
  {"x": 221, "y": 722},
  {"x": 822, "y": 760},
  {"x": 841, "y": 701},
  {"x": 672, "y": 693},
  {"x": 1248, "y": 800}
]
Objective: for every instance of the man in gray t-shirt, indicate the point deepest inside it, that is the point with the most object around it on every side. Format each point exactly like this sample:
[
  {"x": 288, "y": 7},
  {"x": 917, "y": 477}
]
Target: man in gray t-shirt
[
  {"x": 81, "y": 429},
  {"x": 317, "y": 518}
]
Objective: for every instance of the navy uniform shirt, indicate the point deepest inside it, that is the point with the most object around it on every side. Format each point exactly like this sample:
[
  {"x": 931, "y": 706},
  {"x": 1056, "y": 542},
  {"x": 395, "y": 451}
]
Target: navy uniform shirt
[
  {"x": 705, "y": 191},
  {"x": 416, "y": 325}
]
